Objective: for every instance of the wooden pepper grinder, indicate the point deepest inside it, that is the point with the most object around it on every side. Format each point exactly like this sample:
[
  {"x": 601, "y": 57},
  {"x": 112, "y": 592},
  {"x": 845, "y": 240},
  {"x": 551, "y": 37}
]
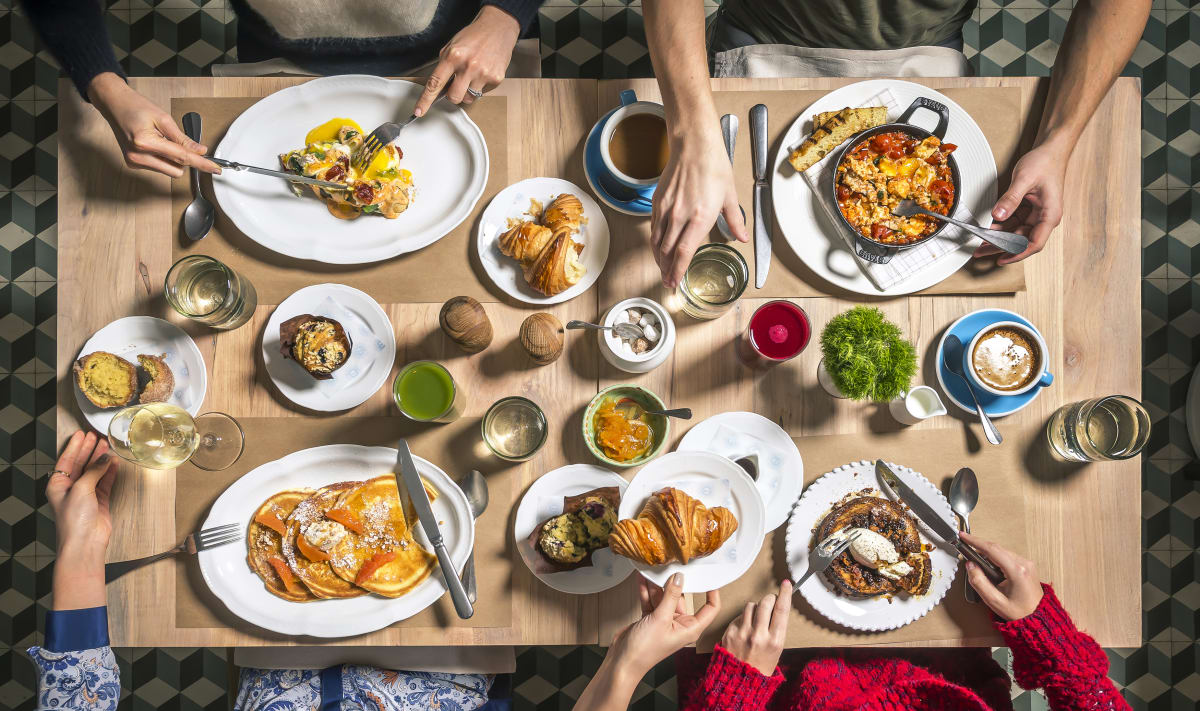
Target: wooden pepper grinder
[
  {"x": 466, "y": 323},
  {"x": 542, "y": 337}
]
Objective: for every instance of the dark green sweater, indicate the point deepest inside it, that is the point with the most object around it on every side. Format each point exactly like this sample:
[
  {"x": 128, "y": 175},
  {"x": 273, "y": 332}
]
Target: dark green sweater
[{"x": 850, "y": 24}]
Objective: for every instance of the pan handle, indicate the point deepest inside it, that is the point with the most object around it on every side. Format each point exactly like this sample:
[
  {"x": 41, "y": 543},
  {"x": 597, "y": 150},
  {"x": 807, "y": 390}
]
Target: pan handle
[
  {"x": 871, "y": 252},
  {"x": 937, "y": 107}
]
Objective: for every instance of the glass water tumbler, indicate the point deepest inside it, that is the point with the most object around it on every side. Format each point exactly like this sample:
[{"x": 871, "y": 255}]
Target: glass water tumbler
[{"x": 1099, "y": 430}]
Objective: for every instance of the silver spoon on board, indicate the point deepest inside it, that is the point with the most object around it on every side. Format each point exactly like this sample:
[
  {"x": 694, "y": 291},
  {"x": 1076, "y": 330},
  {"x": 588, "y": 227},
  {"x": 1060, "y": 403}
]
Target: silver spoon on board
[
  {"x": 729, "y": 129},
  {"x": 964, "y": 495},
  {"x": 476, "y": 489},
  {"x": 199, "y": 215}
]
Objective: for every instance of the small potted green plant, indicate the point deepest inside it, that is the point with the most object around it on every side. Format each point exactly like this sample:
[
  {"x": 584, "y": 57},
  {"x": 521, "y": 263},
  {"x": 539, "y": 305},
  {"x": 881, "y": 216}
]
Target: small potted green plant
[{"x": 865, "y": 356}]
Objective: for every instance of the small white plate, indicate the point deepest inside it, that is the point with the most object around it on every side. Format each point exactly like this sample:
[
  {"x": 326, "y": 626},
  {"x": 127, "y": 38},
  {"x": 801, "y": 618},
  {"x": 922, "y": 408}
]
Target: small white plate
[
  {"x": 780, "y": 468},
  {"x": 543, "y": 500},
  {"x": 513, "y": 202},
  {"x": 874, "y": 614},
  {"x": 233, "y": 582},
  {"x": 715, "y": 481},
  {"x": 372, "y": 354},
  {"x": 133, "y": 335}
]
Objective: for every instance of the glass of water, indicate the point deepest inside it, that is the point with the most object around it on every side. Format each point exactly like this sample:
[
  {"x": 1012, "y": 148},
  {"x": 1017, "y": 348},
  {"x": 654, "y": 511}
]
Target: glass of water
[
  {"x": 207, "y": 291},
  {"x": 715, "y": 278},
  {"x": 1100, "y": 430}
]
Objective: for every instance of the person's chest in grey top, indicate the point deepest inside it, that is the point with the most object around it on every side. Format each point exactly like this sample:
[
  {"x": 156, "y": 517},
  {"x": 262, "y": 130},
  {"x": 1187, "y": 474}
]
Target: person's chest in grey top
[{"x": 356, "y": 19}]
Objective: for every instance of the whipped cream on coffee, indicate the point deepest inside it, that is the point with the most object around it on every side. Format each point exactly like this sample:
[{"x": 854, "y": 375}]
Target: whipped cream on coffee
[{"x": 1005, "y": 359}]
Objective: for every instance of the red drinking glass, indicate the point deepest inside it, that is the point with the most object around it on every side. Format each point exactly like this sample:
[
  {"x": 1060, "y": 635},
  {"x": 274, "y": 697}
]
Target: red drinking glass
[{"x": 778, "y": 331}]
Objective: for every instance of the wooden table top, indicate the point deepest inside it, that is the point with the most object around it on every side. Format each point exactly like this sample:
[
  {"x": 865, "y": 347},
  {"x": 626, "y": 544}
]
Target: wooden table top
[{"x": 1083, "y": 291}]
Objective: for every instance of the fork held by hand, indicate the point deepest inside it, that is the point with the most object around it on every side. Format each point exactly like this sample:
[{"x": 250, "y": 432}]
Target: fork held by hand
[
  {"x": 193, "y": 544},
  {"x": 374, "y": 141}
]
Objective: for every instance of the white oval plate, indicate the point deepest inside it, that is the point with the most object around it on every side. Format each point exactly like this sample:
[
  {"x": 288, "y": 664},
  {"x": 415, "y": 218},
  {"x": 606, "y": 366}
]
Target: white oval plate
[
  {"x": 544, "y": 499},
  {"x": 513, "y": 202},
  {"x": 821, "y": 246},
  {"x": 876, "y": 614},
  {"x": 129, "y": 336},
  {"x": 780, "y": 468},
  {"x": 444, "y": 150},
  {"x": 229, "y": 577},
  {"x": 716, "y": 481},
  {"x": 372, "y": 354}
]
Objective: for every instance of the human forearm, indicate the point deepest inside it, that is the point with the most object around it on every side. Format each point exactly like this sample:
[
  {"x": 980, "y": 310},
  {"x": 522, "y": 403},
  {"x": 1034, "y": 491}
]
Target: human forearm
[
  {"x": 1099, "y": 41},
  {"x": 78, "y": 577},
  {"x": 611, "y": 689},
  {"x": 675, "y": 37}
]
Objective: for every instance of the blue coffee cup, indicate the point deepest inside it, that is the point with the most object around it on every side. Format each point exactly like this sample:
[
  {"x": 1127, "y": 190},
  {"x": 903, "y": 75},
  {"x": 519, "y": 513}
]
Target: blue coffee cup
[
  {"x": 1040, "y": 379},
  {"x": 619, "y": 184}
]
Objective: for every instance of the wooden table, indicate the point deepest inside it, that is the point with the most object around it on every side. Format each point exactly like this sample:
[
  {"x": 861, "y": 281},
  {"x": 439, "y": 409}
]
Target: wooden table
[{"x": 1083, "y": 291}]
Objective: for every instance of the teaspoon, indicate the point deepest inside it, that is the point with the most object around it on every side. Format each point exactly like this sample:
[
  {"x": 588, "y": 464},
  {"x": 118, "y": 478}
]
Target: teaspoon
[
  {"x": 622, "y": 330},
  {"x": 952, "y": 354},
  {"x": 964, "y": 495},
  {"x": 199, "y": 215},
  {"x": 729, "y": 129}
]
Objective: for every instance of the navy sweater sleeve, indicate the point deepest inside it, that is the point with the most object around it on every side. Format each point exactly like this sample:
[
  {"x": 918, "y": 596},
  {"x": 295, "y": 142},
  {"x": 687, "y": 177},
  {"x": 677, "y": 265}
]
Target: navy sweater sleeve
[
  {"x": 77, "y": 35},
  {"x": 524, "y": 10}
]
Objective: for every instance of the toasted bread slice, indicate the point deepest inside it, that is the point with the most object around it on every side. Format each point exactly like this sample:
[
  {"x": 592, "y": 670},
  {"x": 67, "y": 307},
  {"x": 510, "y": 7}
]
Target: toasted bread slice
[
  {"x": 162, "y": 380},
  {"x": 831, "y": 129},
  {"x": 106, "y": 380}
]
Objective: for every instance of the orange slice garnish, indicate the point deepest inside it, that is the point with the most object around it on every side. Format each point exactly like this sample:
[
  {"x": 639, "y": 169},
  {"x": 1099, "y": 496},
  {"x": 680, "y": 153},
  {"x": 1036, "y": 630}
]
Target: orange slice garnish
[
  {"x": 309, "y": 551},
  {"x": 271, "y": 521},
  {"x": 376, "y": 562},
  {"x": 345, "y": 517},
  {"x": 285, "y": 574}
]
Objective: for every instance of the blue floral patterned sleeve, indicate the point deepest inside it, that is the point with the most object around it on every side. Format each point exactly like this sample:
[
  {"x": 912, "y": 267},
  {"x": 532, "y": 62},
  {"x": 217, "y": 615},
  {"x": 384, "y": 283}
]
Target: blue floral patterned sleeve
[{"x": 76, "y": 667}]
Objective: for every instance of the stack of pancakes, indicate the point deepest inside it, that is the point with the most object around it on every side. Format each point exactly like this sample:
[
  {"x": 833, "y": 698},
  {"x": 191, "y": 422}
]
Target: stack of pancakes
[
  {"x": 890, "y": 520},
  {"x": 342, "y": 540}
]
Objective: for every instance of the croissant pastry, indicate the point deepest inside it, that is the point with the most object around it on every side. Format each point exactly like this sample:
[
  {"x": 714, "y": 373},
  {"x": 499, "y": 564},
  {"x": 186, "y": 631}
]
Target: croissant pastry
[
  {"x": 558, "y": 267},
  {"x": 672, "y": 527},
  {"x": 525, "y": 242},
  {"x": 564, "y": 212}
]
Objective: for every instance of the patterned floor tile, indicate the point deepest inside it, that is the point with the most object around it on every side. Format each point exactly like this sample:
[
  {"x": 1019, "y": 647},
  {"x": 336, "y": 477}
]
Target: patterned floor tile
[
  {"x": 577, "y": 36},
  {"x": 1182, "y": 48}
]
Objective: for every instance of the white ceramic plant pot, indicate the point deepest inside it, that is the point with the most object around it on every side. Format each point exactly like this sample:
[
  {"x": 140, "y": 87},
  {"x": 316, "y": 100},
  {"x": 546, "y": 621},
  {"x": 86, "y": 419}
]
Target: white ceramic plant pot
[{"x": 826, "y": 381}]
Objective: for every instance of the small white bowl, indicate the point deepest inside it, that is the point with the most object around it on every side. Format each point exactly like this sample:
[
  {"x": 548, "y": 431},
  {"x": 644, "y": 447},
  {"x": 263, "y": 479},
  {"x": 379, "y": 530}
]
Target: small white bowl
[{"x": 610, "y": 345}]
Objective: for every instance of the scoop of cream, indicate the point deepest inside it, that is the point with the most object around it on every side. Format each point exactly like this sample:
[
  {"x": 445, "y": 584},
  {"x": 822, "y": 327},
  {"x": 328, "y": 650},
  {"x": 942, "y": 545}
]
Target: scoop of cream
[{"x": 875, "y": 551}]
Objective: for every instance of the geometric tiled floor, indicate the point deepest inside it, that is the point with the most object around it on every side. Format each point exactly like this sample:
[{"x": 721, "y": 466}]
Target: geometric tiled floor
[{"x": 601, "y": 39}]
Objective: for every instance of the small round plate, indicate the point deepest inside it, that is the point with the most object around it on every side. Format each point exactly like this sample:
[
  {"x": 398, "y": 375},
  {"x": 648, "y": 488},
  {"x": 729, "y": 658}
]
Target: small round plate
[
  {"x": 715, "y": 481},
  {"x": 780, "y": 467},
  {"x": 874, "y": 614},
  {"x": 372, "y": 353},
  {"x": 513, "y": 202},
  {"x": 543, "y": 500},
  {"x": 133, "y": 335},
  {"x": 954, "y": 387},
  {"x": 594, "y": 164}
]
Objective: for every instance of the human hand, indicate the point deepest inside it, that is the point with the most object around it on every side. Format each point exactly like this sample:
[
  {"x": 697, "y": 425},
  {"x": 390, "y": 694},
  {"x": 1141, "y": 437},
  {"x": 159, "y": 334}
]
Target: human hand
[
  {"x": 477, "y": 58},
  {"x": 148, "y": 136},
  {"x": 757, "y": 636},
  {"x": 1020, "y": 593},
  {"x": 79, "y": 491},
  {"x": 696, "y": 185},
  {"x": 1037, "y": 181},
  {"x": 665, "y": 626}
]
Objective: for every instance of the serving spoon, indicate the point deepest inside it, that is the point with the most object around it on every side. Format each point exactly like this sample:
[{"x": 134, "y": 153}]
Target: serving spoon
[{"x": 1010, "y": 242}]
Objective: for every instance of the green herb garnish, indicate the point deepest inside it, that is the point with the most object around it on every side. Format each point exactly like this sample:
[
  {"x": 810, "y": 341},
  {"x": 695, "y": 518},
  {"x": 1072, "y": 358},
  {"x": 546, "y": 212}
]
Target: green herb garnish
[{"x": 867, "y": 356}]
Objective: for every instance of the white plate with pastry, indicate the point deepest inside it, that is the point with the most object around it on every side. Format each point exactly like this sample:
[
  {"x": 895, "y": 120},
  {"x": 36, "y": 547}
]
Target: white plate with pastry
[
  {"x": 514, "y": 223},
  {"x": 129, "y": 337},
  {"x": 714, "y": 490},
  {"x": 546, "y": 502},
  {"x": 879, "y": 611},
  {"x": 235, "y": 583},
  {"x": 444, "y": 151},
  {"x": 739, "y": 434},
  {"x": 354, "y": 380}
]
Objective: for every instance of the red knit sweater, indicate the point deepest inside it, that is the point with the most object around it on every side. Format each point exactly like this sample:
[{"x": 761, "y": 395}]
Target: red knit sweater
[{"x": 1048, "y": 651}]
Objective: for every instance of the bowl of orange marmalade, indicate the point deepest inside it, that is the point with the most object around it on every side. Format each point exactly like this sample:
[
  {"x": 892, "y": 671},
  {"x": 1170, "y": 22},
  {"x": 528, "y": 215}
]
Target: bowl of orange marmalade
[{"x": 619, "y": 431}]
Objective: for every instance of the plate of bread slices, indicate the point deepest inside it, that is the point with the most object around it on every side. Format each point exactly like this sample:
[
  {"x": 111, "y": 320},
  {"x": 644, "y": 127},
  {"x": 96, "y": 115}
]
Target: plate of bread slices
[
  {"x": 138, "y": 360},
  {"x": 329, "y": 551},
  {"x": 695, "y": 513},
  {"x": 892, "y": 574},
  {"x": 543, "y": 240},
  {"x": 562, "y": 528}
]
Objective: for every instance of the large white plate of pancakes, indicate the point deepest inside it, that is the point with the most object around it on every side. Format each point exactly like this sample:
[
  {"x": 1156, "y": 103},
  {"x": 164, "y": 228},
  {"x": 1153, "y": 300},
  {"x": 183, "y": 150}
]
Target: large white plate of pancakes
[
  {"x": 346, "y": 563},
  {"x": 850, "y": 594},
  {"x": 445, "y": 151}
]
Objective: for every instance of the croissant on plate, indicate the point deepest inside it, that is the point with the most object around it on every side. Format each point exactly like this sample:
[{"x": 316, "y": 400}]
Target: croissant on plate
[
  {"x": 564, "y": 212},
  {"x": 557, "y": 268},
  {"x": 525, "y": 242},
  {"x": 672, "y": 527}
]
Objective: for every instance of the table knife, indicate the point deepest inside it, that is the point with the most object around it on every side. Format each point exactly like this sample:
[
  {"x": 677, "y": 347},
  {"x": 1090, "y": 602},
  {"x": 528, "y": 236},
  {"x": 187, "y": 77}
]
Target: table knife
[
  {"x": 233, "y": 165},
  {"x": 762, "y": 195},
  {"x": 414, "y": 499},
  {"x": 930, "y": 518}
]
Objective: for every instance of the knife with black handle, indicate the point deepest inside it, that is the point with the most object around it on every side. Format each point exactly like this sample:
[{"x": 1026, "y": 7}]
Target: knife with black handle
[{"x": 936, "y": 523}]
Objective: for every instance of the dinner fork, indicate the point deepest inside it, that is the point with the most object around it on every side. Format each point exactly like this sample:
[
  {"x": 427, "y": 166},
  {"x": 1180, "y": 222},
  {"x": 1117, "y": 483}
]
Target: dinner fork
[
  {"x": 825, "y": 553},
  {"x": 193, "y": 544},
  {"x": 383, "y": 135}
]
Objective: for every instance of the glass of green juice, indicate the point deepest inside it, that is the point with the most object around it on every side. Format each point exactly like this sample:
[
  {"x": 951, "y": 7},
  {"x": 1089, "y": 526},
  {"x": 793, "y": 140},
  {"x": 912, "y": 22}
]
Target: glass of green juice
[{"x": 426, "y": 392}]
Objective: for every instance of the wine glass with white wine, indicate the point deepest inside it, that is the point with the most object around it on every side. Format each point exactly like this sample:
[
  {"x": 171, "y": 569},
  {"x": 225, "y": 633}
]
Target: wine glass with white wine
[{"x": 163, "y": 436}]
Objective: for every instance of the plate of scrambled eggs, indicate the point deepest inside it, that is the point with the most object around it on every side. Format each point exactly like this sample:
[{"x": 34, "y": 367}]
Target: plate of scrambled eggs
[{"x": 413, "y": 192}]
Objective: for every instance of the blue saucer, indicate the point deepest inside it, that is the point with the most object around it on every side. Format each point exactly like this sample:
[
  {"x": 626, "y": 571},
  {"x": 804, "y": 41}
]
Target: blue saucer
[
  {"x": 593, "y": 167},
  {"x": 954, "y": 387}
]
